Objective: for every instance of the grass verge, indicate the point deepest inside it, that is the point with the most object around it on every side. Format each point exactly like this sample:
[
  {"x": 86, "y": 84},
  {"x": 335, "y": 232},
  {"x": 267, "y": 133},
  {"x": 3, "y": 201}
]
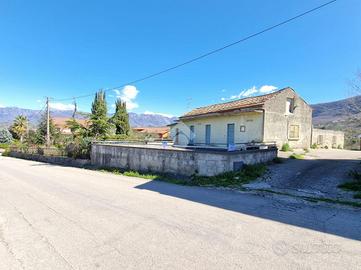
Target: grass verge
[
  {"x": 231, "y": 179},
  {"x": 228, "y": 179}
]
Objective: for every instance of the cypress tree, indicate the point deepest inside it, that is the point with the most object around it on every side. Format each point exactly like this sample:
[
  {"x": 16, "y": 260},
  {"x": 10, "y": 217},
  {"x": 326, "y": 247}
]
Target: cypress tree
[
  {"x": 120, "y": 118},
  {"x": 99, "y": 127}
]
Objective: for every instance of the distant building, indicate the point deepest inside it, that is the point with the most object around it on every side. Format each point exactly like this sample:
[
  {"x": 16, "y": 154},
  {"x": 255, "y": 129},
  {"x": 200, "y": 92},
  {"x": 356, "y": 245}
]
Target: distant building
[
  {"x": 280, "y": 117},
  {"x": 155, "y": 132},
  {"x": 328, "y": 138},
  {"x": 60, "y": 123}
]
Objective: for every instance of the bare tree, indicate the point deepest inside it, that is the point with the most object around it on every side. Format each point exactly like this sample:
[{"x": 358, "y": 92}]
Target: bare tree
[{"x": 354, "y": 104}]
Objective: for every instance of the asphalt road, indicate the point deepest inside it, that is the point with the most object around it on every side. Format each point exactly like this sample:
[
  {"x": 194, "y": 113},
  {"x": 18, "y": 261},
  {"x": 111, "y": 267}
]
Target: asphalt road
[{"x": 54, "y": 217}]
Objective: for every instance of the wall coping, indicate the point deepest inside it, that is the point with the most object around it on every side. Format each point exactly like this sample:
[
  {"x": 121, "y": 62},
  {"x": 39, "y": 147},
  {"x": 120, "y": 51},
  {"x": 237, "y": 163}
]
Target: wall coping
[{"x": 178, "y": 149}]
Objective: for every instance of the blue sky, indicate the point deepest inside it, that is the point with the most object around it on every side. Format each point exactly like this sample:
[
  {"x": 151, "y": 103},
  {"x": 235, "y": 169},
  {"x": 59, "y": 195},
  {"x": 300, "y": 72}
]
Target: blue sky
[{"x": 69, "y": 48}]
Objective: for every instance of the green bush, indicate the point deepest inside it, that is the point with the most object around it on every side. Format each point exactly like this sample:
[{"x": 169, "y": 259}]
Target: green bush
[
  {"x": 79, "y": 148},
  {"x": 314, "y": 146},
  {"x": 357, "y": 195},
  {"x": 297, "y": 156},
  {"x": 286, "y": 147},
  {"x": 5, "y": 136},
  {"x": 4, "y": 146}
]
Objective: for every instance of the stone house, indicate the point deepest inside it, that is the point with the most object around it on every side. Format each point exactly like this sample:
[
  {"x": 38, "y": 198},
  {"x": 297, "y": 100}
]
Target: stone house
[
  {"x": 280, "y": 117},
  {"x": 328, "y": 138}
]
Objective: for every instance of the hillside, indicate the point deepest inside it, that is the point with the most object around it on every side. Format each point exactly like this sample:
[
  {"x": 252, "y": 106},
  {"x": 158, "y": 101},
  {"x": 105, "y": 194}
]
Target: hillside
[
  {"x": 8, "y": 114},
  {"x": 336, "y": 111},
  {"x": 342, "y": 115}
]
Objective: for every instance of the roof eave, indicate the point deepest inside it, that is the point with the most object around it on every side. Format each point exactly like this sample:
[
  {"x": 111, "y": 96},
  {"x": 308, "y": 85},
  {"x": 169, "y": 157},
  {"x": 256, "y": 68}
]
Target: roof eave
[{"x": 226, "y": 112}]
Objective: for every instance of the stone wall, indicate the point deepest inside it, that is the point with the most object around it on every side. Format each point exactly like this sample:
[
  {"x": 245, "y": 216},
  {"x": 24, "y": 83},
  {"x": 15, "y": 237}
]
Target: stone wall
[
  {"x": 175, "y": 161},
  {"x": 328, "y": 138},
  {"x": 63, "y": 161}
]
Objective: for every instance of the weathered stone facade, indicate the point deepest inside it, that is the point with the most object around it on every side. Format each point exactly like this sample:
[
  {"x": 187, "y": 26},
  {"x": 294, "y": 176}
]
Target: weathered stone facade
[
  {"x": 175, "y": 161},
  {"x": 328, "y": 138},
  {"x": 279, "y": 120}
]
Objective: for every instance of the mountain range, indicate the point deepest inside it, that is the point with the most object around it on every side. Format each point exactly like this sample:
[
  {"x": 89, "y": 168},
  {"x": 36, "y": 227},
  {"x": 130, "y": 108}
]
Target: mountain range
[
  {"x": 7, "y": 115},
  {"x": 338, "y": 115}
]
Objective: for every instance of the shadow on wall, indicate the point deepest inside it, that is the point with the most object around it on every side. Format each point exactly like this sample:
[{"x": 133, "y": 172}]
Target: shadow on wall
[{"x": 291, "y": 212}]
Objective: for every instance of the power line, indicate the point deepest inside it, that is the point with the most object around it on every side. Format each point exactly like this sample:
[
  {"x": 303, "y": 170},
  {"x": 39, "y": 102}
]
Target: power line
[{"x": 208, "y": 53}]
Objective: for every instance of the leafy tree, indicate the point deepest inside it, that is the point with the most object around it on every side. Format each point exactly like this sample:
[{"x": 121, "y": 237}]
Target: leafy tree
[
  {"x": 41, "y": 130},
  {"x": 99, "y": 124},
  {"x": 76, "y": 128},
  {"x": 20, "y": 127},
  {"x": 5, "y": 136},
  {"x": 120, "y": 118}
]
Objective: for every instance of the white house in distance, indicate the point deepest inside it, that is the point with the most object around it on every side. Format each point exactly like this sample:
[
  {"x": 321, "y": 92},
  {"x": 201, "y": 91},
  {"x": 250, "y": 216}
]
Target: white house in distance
[{"x": 280, "y": 117}]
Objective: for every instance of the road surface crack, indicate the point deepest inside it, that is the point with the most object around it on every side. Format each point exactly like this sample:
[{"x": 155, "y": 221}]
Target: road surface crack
[{"x": 42, "y": 237}]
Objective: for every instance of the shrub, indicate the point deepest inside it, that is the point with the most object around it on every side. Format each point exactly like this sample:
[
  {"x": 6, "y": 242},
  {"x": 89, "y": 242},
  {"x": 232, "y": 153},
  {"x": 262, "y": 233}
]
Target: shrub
[
  {"x": 326, "y": 147},
  {"x": 5, "y": 136},
  {"x": 357, "y": 195},
  {"x": 306, "y": 150},
  {"x": 339, "y": 146},
  {"x": 286, "y": 147},
  {"x": 4, "y": 146},
  {"x": 314, "y": 146},
  {"x": 80, "y": 148}
]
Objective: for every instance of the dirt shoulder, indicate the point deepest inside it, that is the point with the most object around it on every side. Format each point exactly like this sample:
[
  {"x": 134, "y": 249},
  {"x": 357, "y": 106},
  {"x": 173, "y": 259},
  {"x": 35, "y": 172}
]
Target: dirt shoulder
[{"x": 318, "y": 174}]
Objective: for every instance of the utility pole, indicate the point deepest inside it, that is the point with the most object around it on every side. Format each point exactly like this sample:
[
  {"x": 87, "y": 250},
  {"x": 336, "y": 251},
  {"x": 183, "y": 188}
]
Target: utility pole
[{"x": 47, "y": 122}]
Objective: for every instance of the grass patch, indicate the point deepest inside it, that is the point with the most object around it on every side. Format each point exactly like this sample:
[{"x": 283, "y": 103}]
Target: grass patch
[
  {"x": 227, "y": 179},
  {"x": 149, "y": 176},
  {"x": 357, "y": 195},
  {"x": 286, "y": 147},
  {"x": 297, "y": 156},
  {"x": 231, "y": 179}
]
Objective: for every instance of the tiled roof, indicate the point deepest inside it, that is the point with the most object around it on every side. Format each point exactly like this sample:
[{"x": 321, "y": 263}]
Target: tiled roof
[
  {"x": 233, "y": 105},
  {"x": 60, "y": 122},
  {"x": 158, "y": 130}
]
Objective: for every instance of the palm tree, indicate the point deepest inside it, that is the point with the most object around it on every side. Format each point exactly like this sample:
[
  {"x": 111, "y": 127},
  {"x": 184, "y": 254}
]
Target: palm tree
[{"x": 20, "y": 126}]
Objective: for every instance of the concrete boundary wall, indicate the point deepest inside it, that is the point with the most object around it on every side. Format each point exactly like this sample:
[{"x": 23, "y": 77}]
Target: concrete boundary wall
[
  {"x": 175, "y": 161},
  {"x": 63, "y": 161}
]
